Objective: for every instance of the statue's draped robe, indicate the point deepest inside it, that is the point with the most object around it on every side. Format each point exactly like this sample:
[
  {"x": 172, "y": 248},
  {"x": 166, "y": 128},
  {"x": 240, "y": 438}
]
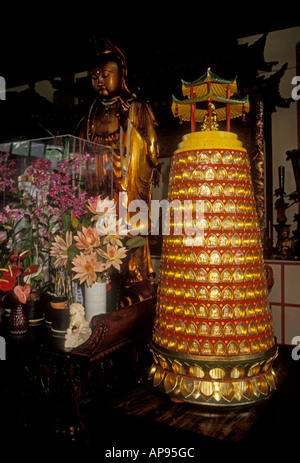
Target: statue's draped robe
[{"x": 135, "y": 137}]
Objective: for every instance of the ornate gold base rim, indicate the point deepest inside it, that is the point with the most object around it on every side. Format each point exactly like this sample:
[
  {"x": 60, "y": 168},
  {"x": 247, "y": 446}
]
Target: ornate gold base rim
[{"x": 228, "y": 383}]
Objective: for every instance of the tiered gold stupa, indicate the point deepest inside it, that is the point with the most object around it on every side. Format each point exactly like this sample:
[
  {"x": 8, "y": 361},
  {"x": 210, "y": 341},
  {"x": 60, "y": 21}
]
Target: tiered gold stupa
[{"x": 213, "y": 340}]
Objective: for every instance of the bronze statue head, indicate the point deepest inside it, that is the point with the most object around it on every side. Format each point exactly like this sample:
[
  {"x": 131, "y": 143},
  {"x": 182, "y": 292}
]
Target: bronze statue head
[
  {"x": 107, "y": 80},
  {"x": 110, "y": 70}
]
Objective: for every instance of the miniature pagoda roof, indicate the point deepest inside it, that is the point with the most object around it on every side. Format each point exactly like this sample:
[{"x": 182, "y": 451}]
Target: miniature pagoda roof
[
  {"x": 217, "y": 84},
  {"x": 182, "y": 109},
  {"x": 209, "y": 87}
]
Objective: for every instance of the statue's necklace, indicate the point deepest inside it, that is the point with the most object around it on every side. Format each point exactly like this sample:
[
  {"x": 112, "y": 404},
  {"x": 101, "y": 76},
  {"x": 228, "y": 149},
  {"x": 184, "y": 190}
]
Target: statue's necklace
[
  {"x": 106, "y": 137},
  {"x": 107, "y": 105}
]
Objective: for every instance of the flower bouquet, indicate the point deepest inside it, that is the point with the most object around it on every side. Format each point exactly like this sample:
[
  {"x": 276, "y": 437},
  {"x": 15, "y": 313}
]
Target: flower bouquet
[{"x": 95, "y": 250}]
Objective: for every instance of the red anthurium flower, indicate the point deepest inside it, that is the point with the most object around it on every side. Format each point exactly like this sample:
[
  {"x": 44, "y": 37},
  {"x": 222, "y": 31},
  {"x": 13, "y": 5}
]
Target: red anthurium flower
[
  {"x": 7, "y": 279},
  {"x": 11, "y": 273},
  {"x": 31, "y": 269},
  {"x": 15, "y": 270},
  {"x": 18, "y": 256},
  {"x": 22, "y": 293},
  {"x": 6, "y": 284}
]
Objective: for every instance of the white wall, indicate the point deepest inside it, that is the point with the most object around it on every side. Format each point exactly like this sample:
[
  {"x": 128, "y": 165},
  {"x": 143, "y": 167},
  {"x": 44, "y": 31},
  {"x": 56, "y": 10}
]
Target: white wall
[
  {"x": 44, "y": 87},
  {"x": 281, "y": 46}
]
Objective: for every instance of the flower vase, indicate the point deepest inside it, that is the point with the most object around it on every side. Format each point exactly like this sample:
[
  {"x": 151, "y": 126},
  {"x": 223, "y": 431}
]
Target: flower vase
[
  {"x": 18, "y": 322},
  {"x": 34, "y": 310},
  {"x": 59, "y": 316},
  {"x": 94, "y": 299}
]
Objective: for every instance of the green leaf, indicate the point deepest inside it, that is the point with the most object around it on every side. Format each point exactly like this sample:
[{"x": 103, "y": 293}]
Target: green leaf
[
  {"x": 72, "y": 251},
  {"x": 135, "y": 242},
  {"x": 75, "y": 222},
  {"x": 66, "y": 221},
  {"x": 28, "y": 261},
  {"x": 48, "y": 131},
  {"x": 39, "y": 277},
  {"x": 52, "y": 261},
  {"x": 85, "y": 222}
]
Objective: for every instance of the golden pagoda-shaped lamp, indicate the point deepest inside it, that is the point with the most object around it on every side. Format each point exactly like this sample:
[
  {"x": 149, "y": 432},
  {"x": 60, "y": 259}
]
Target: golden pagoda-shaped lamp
[
  {"x": 209, "y": 88},
  {"x": 213, "y": 341}
]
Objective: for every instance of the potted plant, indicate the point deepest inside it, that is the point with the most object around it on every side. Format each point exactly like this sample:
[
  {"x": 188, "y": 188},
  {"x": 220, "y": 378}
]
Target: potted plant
[
  {"x": 58, "y": 310},
  {"x": 14, "y": 288}
]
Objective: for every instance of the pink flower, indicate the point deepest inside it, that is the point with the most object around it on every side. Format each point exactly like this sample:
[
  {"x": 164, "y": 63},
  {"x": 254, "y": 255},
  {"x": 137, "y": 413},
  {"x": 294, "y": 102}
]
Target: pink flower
[
  {"x": 113, "y": 256},
  {"x": 22, "y": 293},
  {"x": 86, "y": 268},
  {"x": 6, "y": 168},
  {"x": 101, "y": 207},
  {"x": 87, "y": 240},
  {"x": 59, "y": 249}
]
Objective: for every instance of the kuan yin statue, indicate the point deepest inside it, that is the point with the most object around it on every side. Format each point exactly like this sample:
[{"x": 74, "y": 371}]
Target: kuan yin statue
[{"x": 119, "y": 119}]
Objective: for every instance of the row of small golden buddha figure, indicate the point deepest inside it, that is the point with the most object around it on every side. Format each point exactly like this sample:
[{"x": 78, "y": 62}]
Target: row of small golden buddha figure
[
  {"x": 207, "y": 292},
  {"x": 213, "y": 274},
  {"x": 193, "y": 225},
  {"x": 200, "y": 173},
  {"x": 211, "y": 347},
  {"x": 213, "y": 311},
  {"x": 228, "y": 157},
  {"x": 213, "y": 329},
  {"x": 195, "y": 190},
  {"x": 216, "y": 206},
  {"x": 212, "y": 257},
  {"x": 224, "y": 240}
]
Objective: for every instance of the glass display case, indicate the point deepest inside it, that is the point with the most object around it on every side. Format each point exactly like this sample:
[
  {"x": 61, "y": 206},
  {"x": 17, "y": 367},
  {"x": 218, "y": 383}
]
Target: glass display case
[{"x": 96, "y": 172}]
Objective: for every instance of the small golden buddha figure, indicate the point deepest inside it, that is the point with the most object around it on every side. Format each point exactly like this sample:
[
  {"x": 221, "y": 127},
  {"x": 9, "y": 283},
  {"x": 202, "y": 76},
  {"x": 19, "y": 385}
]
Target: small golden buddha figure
[
  {"x": 213, "y": 124},
  {"x": 117, "y": 118}
]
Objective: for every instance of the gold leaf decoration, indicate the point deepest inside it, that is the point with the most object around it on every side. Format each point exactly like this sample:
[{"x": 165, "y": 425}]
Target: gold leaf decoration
[
  {"x": 170, "y": 383},
  {"x": 187, "y": 387}
]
